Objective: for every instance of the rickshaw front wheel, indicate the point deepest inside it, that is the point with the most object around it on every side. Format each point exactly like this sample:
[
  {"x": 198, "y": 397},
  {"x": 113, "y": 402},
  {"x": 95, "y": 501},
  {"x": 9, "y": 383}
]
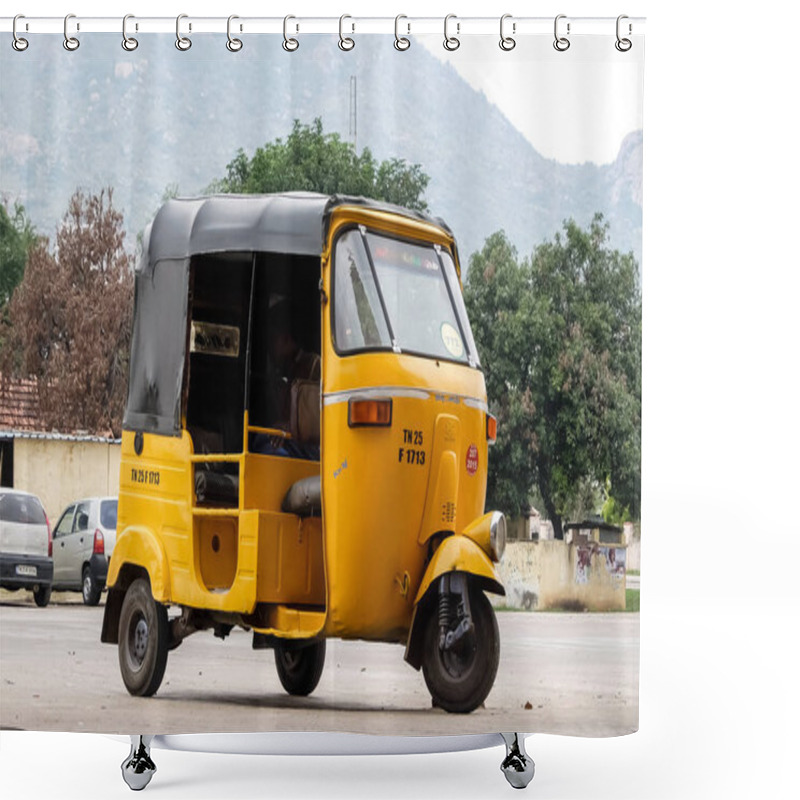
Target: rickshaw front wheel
[
  {"x": 143, "y": 640},
  {"x": 461, "y": 678},
  {"x": 300, "y": 666}
]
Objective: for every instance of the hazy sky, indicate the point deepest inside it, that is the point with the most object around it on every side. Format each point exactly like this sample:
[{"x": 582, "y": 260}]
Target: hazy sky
[{"x": 574, "y": 106}]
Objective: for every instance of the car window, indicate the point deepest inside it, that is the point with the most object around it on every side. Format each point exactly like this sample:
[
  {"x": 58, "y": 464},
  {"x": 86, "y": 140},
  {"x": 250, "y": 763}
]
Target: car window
[
  {"x": 22, "y": 508},
  {"x": 108, "y": 513},
  {"x": 81, "y": 517},
  {"x": 65, "y": 523}
]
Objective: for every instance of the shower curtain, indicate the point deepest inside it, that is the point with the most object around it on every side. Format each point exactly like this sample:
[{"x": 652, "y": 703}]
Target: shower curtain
[{"x": 527, "y": 143}]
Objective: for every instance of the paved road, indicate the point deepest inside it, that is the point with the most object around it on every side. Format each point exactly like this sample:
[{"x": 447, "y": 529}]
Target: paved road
[{"x": 559, "y": 673}]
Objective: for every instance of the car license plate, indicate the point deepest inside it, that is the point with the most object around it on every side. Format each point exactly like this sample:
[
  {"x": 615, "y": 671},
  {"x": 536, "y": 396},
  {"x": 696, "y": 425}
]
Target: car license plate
[{"x": 26, "y": 569}]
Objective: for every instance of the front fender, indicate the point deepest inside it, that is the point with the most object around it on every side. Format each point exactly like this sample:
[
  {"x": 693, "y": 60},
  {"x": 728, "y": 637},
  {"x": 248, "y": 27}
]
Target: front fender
[
  {"x": 455, "y": 553},
  {"x": 139, "y": 546},
  {"x": 460, "y": 554}
]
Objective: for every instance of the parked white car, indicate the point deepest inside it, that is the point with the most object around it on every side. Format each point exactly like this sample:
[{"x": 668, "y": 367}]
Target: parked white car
[
  {"x": 26, "y": 546},
  {"x": 83, "y": 540}
]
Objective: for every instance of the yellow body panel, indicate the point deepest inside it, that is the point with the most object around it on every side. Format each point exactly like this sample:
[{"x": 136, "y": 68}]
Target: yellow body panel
[
  {"x": 386, "y": 491},
  {"x": 220, "y": 559},
  {"x": 359, "y": 571},
  {"x": 140, "y": 547}
]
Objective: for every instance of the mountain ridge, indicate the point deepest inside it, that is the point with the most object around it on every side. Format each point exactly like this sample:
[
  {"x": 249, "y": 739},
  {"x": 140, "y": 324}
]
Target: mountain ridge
[{"x": 142, "y": 122}]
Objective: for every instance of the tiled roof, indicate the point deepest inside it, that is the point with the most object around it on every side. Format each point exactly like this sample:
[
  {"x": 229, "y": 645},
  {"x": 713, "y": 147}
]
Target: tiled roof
[
  {"x": 19, "y": 404},
  {"x": 20, "y": 418}
]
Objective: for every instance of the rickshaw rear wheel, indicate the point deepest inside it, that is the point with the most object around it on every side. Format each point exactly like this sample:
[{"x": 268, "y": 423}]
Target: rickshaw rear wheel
[
  {"x": 300, "y": 666},
  {"x": 460, "y": 679},
  {"x": 143, "y": 640}
]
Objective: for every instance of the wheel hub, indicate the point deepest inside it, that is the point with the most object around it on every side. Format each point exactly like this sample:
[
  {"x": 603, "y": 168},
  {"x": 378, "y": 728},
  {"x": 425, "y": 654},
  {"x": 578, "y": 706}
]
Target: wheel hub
[{"x": 140, "y": 636}]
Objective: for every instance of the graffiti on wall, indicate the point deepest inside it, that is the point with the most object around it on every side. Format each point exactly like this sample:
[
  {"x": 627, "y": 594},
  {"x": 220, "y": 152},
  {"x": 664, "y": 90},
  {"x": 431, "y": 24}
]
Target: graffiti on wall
[{"x": 613, "y": 558}]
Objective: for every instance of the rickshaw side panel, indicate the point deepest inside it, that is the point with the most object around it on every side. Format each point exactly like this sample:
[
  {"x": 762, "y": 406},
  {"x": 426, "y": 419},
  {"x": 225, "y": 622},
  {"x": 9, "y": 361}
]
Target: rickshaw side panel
[
  {"x": 290, "y": 567},
  {"x": 211, "y": 554},
  {"x": 268, "y": 478}
]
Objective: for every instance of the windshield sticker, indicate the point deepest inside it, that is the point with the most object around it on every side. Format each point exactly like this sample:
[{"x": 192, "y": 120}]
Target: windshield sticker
[
  {"x": 452, "y": 340},
  {"x": 406, "y": 257}
]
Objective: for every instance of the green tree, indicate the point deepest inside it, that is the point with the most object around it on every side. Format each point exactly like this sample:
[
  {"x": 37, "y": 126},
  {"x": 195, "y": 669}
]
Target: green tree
[
  {"x": 313, "y": 161},
  {"x": 560, "y": 339},
  {"x": 17, "y": 236}
]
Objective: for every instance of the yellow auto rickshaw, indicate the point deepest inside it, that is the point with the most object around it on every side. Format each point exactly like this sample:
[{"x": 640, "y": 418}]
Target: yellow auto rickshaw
[{"x": 305, "y": 443}]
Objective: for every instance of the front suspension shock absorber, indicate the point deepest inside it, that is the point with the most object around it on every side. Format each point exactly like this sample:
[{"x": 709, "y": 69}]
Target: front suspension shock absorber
[
  {"x": 444, "y": 610},
  {"x": 453, "y": 587}
]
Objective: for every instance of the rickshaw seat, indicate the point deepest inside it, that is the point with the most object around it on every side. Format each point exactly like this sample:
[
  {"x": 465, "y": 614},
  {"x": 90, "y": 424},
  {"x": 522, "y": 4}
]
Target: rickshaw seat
[
  {"x": 216, "y": 487},
  {"x": 304, "y": 498}
]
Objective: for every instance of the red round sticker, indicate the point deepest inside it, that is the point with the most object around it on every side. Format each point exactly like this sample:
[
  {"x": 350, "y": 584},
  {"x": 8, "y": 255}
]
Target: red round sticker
[{"x": 472, "y": 459}]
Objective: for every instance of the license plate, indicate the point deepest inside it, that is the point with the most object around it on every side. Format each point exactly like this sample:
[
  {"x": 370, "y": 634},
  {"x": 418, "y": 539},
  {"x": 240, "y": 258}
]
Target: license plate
[{"x": 25, "y": 569}]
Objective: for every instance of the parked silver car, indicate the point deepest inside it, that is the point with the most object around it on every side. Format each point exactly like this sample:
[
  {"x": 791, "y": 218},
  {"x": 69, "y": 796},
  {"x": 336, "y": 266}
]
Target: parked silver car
[
  {"x": 83, "y": 540},
  {"x": 26, "y": 546}
]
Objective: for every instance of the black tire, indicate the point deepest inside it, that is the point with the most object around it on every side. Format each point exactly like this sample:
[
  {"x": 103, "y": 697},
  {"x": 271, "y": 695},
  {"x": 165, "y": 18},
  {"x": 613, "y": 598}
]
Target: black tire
[
  {"x": 461, "y": 679},
  {"x": 41, "y": 595},
  {"x": 89, "y": 588},
  {"x": 300, "y": 666},
  {"x": 143, "y": 640}
]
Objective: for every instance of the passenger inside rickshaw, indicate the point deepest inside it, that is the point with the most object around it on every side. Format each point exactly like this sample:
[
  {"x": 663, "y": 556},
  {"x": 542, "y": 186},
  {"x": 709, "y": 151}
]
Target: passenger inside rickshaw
[{"x": 254, "y": 344}]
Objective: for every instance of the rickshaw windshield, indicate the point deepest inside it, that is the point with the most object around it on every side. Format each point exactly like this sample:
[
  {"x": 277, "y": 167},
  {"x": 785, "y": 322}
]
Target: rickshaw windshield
[{"x": 395, "y": 294}]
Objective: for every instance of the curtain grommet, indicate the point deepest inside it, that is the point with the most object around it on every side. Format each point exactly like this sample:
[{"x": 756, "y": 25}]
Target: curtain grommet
[
  {"x": 451, "y": 43},
  {"x": 507, "y": 43},
  {"x": 18, "y": 42},
  {"x": 289, "y": 44},
  {"x": 401, "y": 42},
  {"x": 561, "y": 43},
  {"x": 233, "y": 44},
  {"x": 345, "y": 42},
  {"x": 623, "y": 44},
  {"x": 129, "y": 43},
  {"x": 183, "y": 43},
  {"x": 71, "y": 43}
]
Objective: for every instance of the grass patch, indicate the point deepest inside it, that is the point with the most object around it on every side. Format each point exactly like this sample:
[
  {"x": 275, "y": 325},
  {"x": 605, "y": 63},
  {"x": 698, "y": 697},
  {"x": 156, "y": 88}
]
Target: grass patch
[
  {"x": 631, "y": 599},
  {"x": 632, "y": 572}
]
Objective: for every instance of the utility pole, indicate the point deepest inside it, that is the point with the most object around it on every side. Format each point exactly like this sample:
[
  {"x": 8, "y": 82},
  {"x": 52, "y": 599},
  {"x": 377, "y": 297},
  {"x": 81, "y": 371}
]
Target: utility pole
[{"x": 354, "y": 112}]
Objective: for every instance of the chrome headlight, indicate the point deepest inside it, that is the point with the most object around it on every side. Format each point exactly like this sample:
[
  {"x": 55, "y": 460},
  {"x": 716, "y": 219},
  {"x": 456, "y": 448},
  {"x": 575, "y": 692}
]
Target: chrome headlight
[{"x": 497, "y": 535}]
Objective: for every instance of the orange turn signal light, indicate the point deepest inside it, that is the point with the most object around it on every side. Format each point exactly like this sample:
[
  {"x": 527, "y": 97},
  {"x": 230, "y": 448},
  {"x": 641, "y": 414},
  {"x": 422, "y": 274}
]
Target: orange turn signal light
[
  {"x": 491, "y": 428},
  {"x": 375, "y": 413}
]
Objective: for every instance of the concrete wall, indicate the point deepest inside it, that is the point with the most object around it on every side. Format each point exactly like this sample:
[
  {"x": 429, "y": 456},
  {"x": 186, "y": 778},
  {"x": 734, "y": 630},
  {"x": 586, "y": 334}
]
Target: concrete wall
[
  {"x": 553, "y": 574},
  {"x": 634, "y": 557},
  {"x": 61, "y": 471}
]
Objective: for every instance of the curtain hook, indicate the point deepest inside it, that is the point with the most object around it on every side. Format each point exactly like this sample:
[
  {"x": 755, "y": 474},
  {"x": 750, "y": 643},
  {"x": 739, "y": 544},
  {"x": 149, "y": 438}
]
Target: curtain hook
[
  {"x": 345, "y": 42},
  {"x": 19, "y": 44},
  {"x": 290, "y": 45},
  {"x": 182, "y": 42},
  {"x": 561, "y": 43},
  {"x": 623, "y": 45},
  {"x": 128, "y": 42},
  {"x": 451, "y": 42},
  {"x": 400, "y": 42},
  {"x": 70, "y": 42},
  {"x": 506, "y": 42},
  {"x": 233, "y": 44}
]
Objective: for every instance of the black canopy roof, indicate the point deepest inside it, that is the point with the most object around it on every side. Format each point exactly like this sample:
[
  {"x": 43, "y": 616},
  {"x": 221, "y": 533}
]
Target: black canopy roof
[{"x": 292, "y": 223}]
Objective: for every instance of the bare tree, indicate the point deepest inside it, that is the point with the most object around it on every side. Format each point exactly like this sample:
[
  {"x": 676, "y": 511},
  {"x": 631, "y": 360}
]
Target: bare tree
[{"x": 71, "y": 319}]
